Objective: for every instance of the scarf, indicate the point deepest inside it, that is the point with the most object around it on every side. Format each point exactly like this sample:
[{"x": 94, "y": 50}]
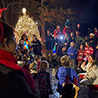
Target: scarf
[{"x": 7, "y": 59}]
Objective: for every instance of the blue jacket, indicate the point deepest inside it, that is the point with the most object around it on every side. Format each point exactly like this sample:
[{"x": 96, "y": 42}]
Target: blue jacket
[
  {"x": 72, "y": 50},
  {"x": 62, "y": 73}
]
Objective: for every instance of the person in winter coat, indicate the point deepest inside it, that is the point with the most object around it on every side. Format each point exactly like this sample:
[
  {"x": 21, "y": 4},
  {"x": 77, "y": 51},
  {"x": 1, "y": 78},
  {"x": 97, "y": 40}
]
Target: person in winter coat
[
  {"x": 43, "y": 79},
  {"x": 72, "y": 52},
  {"x": 66, "y": 74},
  {"x": 91, "y": 75},
  {"x": 36, "y": 46},
  {"x": 80, "y": 56},
  {"x": 15, "y": 82},
  {"x": 49, "y": 42},
  {"x": 88, "y": 50}
]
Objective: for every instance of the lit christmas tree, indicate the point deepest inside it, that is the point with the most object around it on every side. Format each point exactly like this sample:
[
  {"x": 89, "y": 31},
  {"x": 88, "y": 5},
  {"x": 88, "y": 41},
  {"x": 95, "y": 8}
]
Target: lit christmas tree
[{"x": 26, "y": 25}]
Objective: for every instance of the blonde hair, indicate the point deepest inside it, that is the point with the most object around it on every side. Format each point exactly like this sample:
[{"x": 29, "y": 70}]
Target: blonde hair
[
  {"x": 65, "y": 60},
  {"x": 44, "y": 65}
]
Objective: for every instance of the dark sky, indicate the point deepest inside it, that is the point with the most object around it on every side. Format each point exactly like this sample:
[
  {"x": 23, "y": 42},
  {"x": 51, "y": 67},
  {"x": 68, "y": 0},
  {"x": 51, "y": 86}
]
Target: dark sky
[{"x": 87, "y": 9}]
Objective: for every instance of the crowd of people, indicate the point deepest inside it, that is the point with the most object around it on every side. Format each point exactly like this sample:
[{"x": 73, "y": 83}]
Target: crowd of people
[{"x": 73, "y": 51}]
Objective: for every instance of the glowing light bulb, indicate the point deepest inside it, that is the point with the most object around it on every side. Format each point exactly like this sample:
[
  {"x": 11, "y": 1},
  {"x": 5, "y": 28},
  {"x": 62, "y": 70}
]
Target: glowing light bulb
[{"x": 24, "y": 10}]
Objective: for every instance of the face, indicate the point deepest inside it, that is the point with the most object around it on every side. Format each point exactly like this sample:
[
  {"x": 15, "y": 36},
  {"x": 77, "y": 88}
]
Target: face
[
  {"x": 39, "y": 60},
  {"x": 11, "y": 47},
  {"x": 71, "y": 34},
  {"x": 90, "y": 59},
  {"x": 34, "y": 37},
  {"x": 90, "y": 36},
  {"x": 77, "y": 33},
  {"x": 72, "y": 44},
  {"x": 78, "y": 25},
  {"x": 48, "y": 33},
  {"x": 86, "y": 44},
  {"x": 66, "y": 35},
  {"x": 24, "y": 37},
  {"x": 58, "y": 27},
  {"x": 81, "y": 46}
]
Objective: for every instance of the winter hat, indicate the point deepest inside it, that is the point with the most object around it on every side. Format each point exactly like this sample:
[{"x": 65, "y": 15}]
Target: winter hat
[{"x": 92, "y": 34}]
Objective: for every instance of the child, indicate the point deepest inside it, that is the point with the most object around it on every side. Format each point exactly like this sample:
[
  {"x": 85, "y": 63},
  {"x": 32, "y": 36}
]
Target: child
[
  {"x": 64, "y": 50},
  {"x": 43, "y": 79},
  {"x": 36, "y": 63},
  {"x": 66, "y": 74},
  {"x": 80, "y": 56},
  {"x": 88, "y": 50},
  {"x": 72, "y": 52},
  {"x": 31, "y": 54},
  {"x": 26, "y": 58}
]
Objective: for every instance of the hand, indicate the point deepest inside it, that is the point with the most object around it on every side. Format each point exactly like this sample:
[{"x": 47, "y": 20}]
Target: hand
[
  {"x": 65, "y": 43},
  {"x": 71, "y": 53},
  {"x": 83, "y": 64},
  {"x": 84, "y": 77}
]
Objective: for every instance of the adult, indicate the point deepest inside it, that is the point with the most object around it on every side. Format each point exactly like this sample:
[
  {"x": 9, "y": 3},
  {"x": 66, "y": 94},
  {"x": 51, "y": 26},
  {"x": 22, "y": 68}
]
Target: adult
[
  {"x": 15, "y": 82},
  {"x": 78, "y": 39},
  {"x": 36, "y": 46},
  {"x": 91, "y": 76},
  {"x": 23, "y": 43},
  {"x": 92, "y": 40},
  {"x": 57, "y": 31},
  {"x": 88, "y": 50},
  {"x": 96, "y": 32},
  {"x": 49, "y": 46}
]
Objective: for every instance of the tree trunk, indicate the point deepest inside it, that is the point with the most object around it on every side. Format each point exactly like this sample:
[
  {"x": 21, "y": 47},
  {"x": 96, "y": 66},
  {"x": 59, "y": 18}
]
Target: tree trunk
[{"x": 43, "y": 31}]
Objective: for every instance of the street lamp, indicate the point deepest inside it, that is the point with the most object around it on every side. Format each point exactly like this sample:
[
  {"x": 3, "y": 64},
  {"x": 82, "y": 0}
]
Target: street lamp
[{"x": 24, "y": 10}]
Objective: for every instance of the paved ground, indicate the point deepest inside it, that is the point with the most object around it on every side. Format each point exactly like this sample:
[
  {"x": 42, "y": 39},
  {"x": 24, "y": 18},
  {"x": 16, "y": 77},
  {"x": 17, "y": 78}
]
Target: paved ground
[{"x": 84, "y": 92}]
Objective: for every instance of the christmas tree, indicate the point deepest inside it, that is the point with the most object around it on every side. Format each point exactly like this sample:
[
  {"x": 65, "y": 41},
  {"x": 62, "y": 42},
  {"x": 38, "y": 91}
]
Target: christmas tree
[{"x": 26, "y": 25}]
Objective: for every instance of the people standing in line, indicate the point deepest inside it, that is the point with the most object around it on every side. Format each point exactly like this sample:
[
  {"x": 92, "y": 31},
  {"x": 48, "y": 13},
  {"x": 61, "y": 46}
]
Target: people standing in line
[
  {"x": 72, "y": 52},
  {"x": 36, "y": 46},
  {"x": 15, "y": 82},
  {"x": 49, "y": 43}
]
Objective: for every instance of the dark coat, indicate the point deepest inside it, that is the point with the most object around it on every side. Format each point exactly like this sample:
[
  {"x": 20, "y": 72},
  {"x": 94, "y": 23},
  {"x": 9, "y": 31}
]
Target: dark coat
[
  {"x": 13, "y": 84},
  {"x": 36, "y": 47}
]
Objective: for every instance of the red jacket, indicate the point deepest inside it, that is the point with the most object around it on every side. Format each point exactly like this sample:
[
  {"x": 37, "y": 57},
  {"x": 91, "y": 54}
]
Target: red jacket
[
  {"x": 88, "y": 51},
  {"x": 80, "y": 55},
  {"x": 66, "y": 30},
  {"x": 57, "y": 32}
]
